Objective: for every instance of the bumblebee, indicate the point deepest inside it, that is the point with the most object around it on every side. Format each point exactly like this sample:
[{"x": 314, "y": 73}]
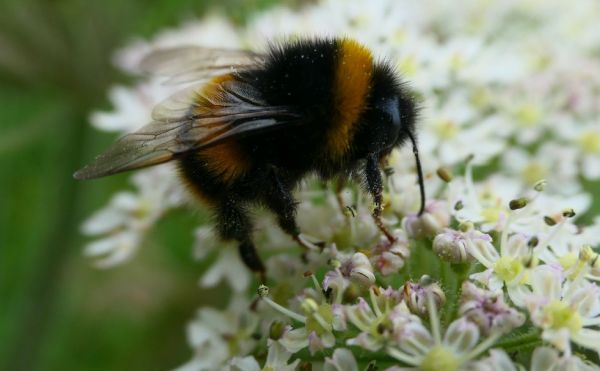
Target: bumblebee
[{"x": 255, "y": 124}]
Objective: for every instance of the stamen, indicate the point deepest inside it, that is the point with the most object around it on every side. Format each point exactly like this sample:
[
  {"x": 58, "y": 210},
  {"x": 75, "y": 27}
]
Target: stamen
[
  {"x": 263, "y": 291},
  {"x": 546, "y": 241}
]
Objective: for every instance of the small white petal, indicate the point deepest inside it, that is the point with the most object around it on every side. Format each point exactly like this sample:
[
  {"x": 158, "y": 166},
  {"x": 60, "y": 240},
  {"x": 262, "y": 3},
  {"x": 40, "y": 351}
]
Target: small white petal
[
  {"x": 227, "y": 267},
  {"x": 278, "y": 357},
  {"x": 546, "y": 282},
  {"x": 341, "y": 360},
  {"x": 588, "y": 338},
  {"x": 461, "y": 335},
  {"x": 544, "y": 359},
  {"x": 244, "y": 364},
  {"x": 295, "y": 340}
]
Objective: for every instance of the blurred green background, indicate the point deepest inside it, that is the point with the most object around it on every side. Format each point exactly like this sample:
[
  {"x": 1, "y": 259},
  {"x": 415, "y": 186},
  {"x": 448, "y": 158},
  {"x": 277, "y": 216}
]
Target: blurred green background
[{"x": 57, "y": 312}]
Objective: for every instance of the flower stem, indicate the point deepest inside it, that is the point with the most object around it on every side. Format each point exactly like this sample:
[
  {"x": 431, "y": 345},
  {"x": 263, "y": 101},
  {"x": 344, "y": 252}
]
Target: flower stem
[{"x": 521, "y": 342}]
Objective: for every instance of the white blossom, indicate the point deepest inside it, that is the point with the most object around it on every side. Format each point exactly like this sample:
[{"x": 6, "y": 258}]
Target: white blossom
[
  {"x": 506, "y": 89},
  {"x": 277, "y": 360},
  {"x": 565, "y": 311}
]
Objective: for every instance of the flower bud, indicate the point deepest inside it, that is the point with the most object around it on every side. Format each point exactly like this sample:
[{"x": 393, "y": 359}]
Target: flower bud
[
  {"x": 433, "y": 220},
  {"x": 488, "y": 311},
  {"x": 426, "y": 280},
  {"x": 361, "y": 270},
  {"x": 452, "y": 246},
  {"x": 415, "y": 296}
]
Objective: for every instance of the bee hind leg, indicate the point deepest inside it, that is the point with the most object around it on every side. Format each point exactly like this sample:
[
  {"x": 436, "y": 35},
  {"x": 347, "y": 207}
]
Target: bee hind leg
[
  {"x": 233, "y": 223},
  {"x": 251, "y": 259},
  {"x": 374, "y": 184}
]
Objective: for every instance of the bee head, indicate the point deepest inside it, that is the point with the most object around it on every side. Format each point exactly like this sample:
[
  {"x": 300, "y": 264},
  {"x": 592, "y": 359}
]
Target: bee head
[{"x": 393, "y": 124}]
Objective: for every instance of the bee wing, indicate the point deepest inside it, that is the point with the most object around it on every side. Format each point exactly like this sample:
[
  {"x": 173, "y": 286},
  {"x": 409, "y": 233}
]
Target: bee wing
[
  {"x": 235, "y": 110},
  {"x": 194, "y": 63}
]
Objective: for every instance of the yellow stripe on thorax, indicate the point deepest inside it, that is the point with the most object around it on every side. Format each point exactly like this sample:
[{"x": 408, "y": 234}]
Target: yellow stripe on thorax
[{"x": 351, "y": 87}]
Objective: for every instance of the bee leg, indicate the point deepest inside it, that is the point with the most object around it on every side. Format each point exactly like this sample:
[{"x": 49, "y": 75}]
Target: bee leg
[
  {"x": 339, "y": 187},
  {"x": 281, "y": 202},
  {"x": 233, "y": 223},
  {"x": 374, "y": 185}
]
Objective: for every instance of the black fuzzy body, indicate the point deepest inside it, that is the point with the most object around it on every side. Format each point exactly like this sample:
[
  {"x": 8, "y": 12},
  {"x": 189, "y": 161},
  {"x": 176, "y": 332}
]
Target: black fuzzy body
[{"x": 299, "y": 75}]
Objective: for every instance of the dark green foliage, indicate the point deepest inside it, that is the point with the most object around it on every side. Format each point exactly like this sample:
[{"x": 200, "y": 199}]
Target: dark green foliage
[{"x": 56, "y": 311}]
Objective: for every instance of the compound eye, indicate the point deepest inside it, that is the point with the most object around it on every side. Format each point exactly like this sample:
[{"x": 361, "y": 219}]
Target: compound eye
[{"x": 391, "y": 116}]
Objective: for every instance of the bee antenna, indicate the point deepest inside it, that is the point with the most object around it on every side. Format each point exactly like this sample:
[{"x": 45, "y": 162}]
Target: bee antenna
[{"x": 419, "y": 172}]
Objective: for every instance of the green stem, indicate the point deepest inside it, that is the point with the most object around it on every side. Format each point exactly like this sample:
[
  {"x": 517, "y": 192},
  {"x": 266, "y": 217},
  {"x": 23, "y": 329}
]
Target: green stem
[
  {"x": 521, "y": 342},
  {"x": 453, "y": 279}
]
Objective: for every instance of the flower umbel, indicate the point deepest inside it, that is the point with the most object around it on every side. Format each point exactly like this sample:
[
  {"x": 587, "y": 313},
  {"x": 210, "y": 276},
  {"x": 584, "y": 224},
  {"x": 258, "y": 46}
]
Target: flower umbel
[{"x": 509, "y": 96}]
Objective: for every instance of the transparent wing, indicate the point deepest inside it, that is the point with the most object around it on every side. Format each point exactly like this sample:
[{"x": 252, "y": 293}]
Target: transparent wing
[
  {"x": 194, "y": 63},
  {"x": 229, "y": 96},
  {"x": 231, "y": 109}
]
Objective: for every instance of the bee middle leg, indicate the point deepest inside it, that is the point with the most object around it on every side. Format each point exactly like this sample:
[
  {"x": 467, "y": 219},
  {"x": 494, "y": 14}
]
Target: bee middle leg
[
  {"x": 374, "y": 183},
  {"x": 281, "y": 202},
  {"x": 233, "y": 223}
]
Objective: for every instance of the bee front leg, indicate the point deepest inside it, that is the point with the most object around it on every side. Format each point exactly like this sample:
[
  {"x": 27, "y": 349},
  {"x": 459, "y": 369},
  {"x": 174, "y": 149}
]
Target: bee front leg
[
  {"x": 374, "y": 184},
  {"x": 281, "y": 202}
]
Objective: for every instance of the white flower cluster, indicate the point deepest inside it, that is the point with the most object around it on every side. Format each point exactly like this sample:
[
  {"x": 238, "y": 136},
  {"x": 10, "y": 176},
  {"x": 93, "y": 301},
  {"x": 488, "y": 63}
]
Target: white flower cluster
[{"x": 509, "y": 87}]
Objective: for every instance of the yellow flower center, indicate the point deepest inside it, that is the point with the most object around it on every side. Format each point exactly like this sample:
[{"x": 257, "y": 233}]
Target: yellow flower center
[
  {"x": 313, "y": 324},
  {"x": 508, "y": 268},
  {"x": 491, "y": 214},
  {"x": 399, "y": 36},
  {"x": 540, "y": 61},
  {"x": 446, "y": 129},
  {"x": 481, "y": 98},
  {"x": 440, "y": 358},
  {"x": 457, "y": 62},
  {"x": 528, "y": 115},
  {"x": 533, "y": 172},
  {"x": 568, "y": 260},
  {"x": 559, "y": 315},
  {"x": 590, "y": 142}
]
